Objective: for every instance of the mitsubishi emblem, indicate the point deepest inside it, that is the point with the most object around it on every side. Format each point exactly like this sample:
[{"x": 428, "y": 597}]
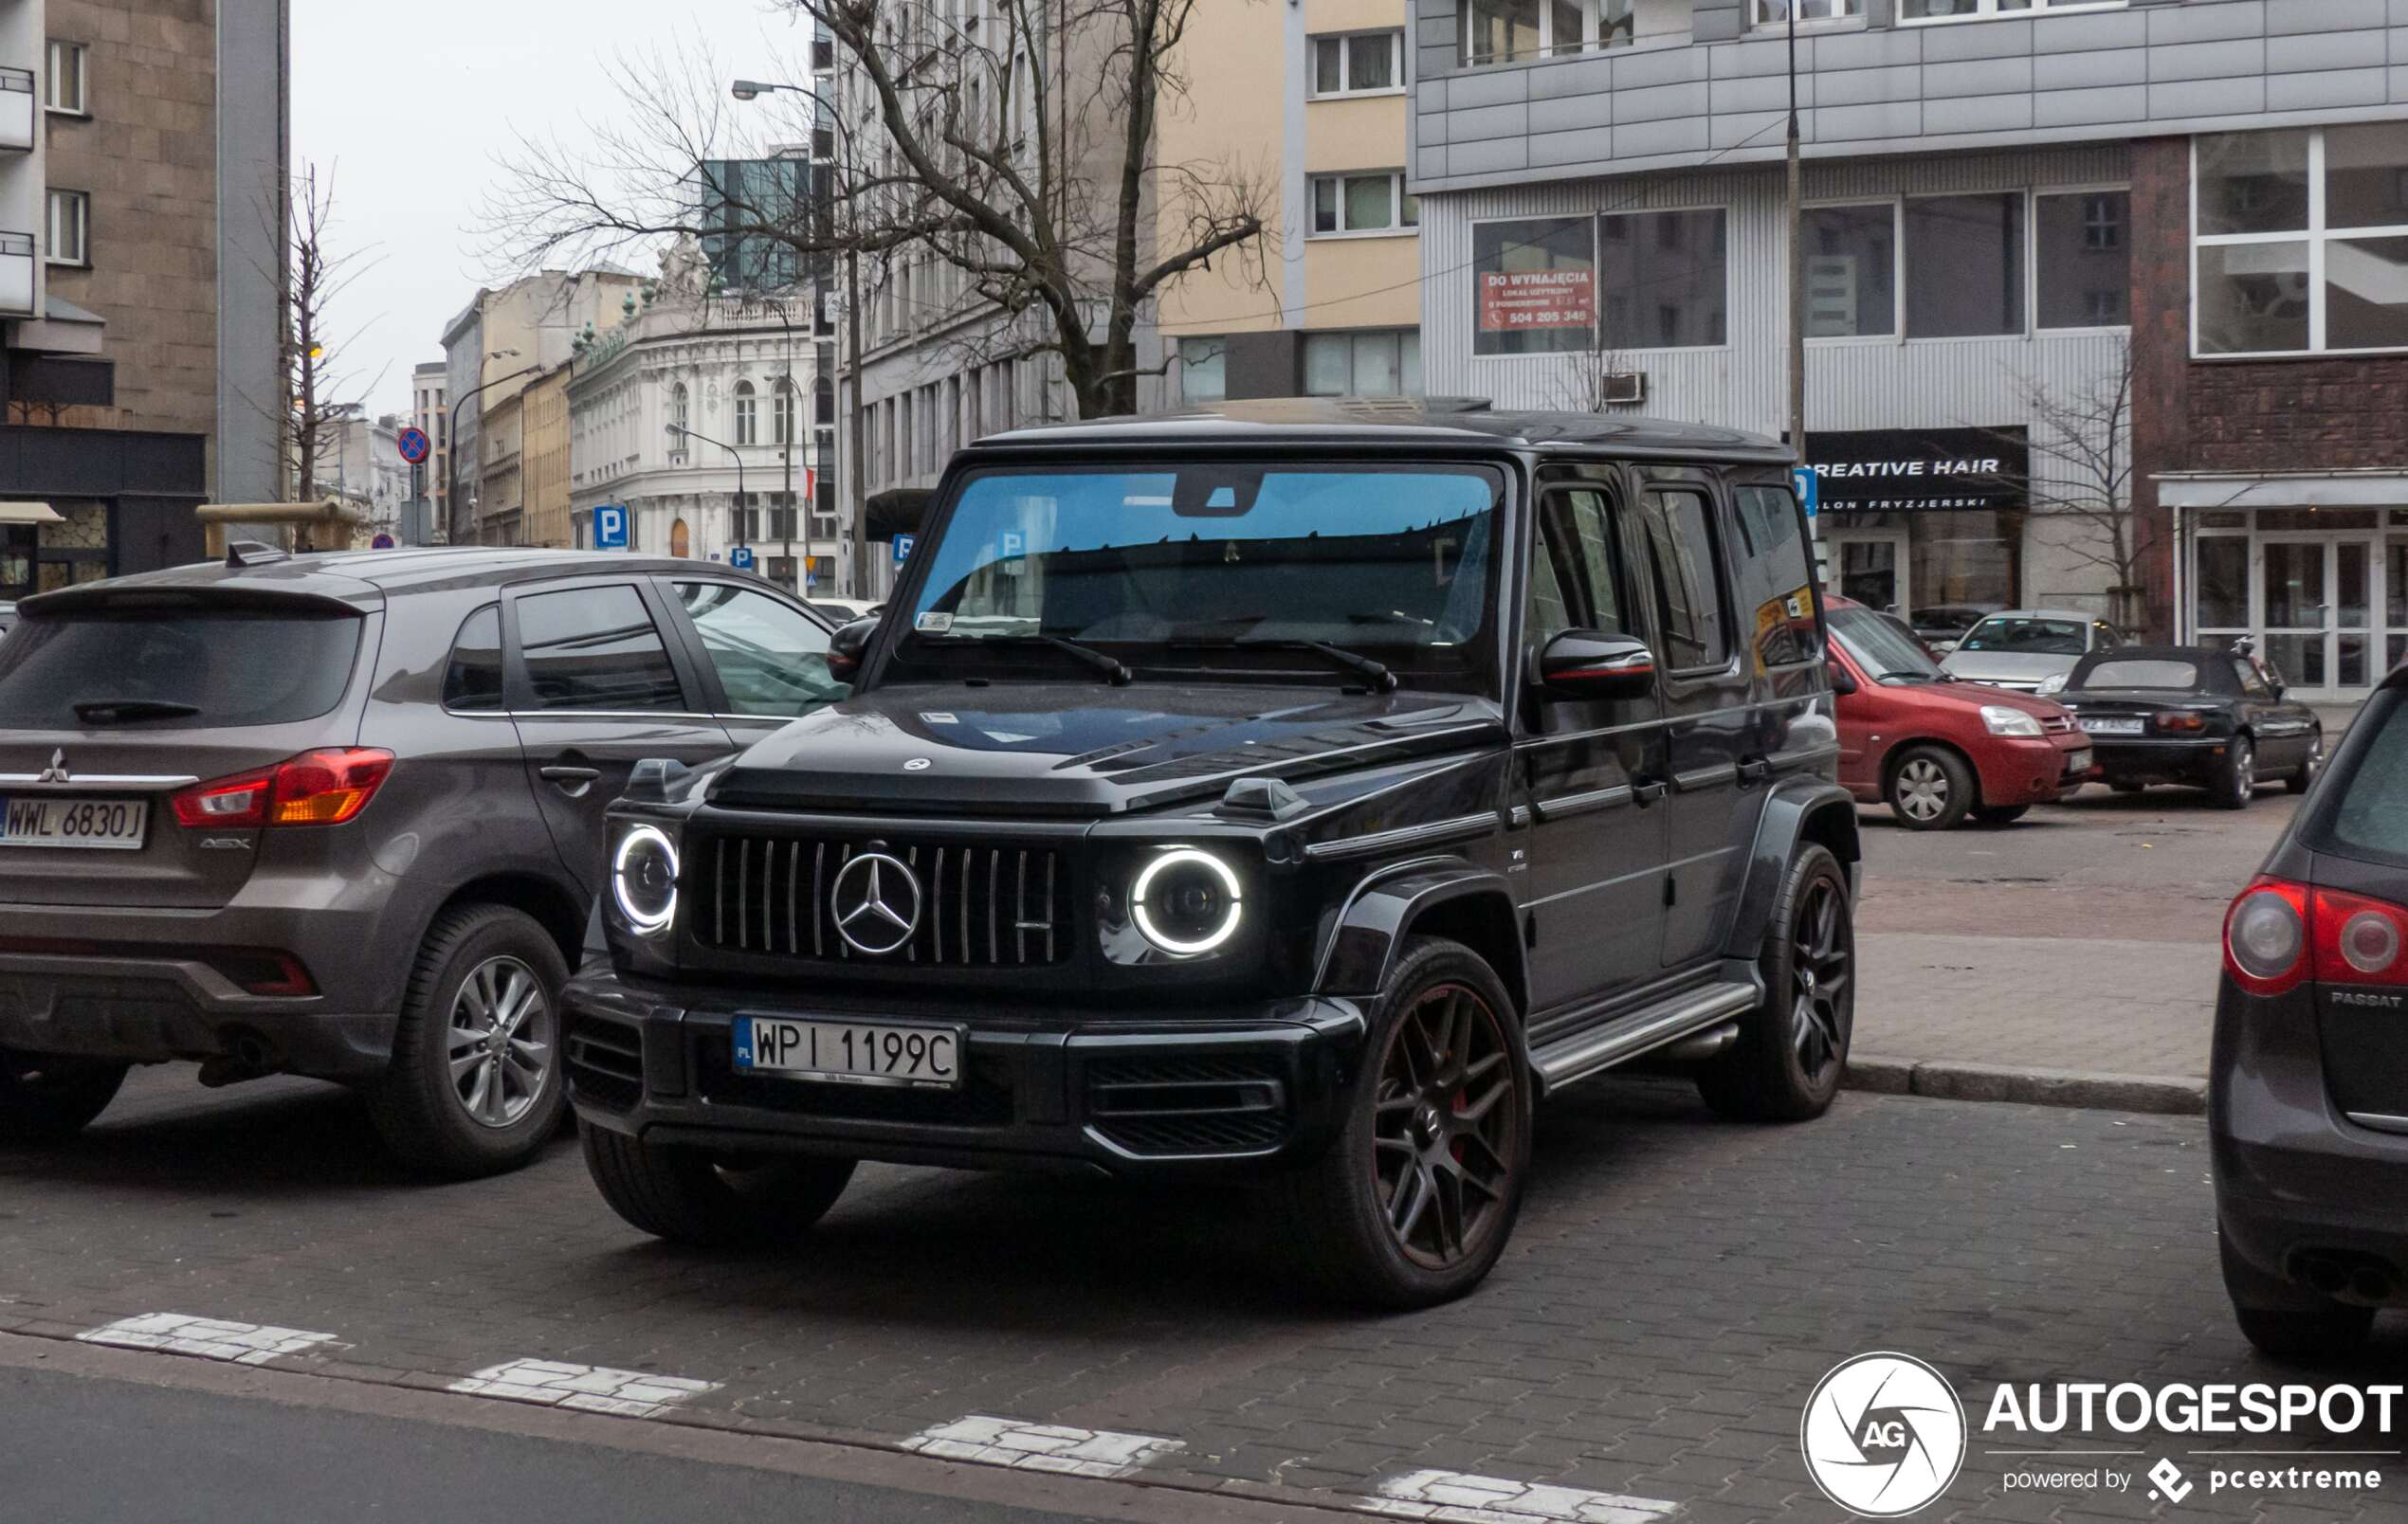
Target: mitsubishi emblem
[
  {"x": 57, "y": 771},
  {"x": 876, "y": 903}
]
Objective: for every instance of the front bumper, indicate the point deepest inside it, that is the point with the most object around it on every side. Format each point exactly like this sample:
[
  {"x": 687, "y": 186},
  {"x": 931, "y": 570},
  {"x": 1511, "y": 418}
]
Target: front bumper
[
  {"x": 2021, "y": 770},
  {"x": 2149, "y": 759},
  {"x": 2296, "y": 1180},
  {"x": 1234, "y": 1091}
]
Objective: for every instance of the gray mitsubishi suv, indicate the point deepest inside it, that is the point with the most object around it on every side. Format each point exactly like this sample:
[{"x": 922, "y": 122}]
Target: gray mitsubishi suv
[{"x": 342, "y": 816}]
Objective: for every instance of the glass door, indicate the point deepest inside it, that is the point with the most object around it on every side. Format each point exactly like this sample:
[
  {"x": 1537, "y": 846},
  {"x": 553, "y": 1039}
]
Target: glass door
[
  {"x": 2317, "y": 597},
  {"x": 1870, "y": 569}
]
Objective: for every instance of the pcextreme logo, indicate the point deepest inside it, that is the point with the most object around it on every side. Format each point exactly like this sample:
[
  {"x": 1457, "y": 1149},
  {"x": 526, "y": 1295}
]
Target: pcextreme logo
[{"x": 1883, "y": 1435}]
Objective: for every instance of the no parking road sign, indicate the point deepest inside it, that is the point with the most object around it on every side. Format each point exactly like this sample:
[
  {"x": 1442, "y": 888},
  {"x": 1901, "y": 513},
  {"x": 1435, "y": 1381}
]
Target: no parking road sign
[{"x": 415, "y": 445}]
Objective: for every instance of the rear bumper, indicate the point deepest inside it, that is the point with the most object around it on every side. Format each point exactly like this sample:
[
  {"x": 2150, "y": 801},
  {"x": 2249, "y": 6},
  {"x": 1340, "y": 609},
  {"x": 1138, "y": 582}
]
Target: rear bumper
[
  {"x": 2143, "y": 759},
  {"x": 1235, "y": 1091}
]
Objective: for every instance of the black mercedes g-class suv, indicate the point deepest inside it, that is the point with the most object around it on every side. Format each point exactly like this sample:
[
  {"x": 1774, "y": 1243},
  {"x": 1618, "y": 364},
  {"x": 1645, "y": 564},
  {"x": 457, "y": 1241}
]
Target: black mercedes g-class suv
[{"x": 1297, "y": 789}]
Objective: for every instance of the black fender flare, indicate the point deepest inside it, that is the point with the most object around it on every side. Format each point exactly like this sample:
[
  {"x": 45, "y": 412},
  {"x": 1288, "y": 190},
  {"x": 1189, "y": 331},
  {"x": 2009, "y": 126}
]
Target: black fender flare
[
  {"x": 1368, "y": 933},
  {"x": 1799, "y": 809}
]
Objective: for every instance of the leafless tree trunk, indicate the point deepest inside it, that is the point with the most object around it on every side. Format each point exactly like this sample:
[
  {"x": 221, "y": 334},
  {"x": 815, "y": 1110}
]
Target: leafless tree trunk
[
  {"x": 2081, "y": 481},
  {"x": 322, "y": 396},
  {"x": 1590, "y": 382},
  {"x": 997, "y": 167}
]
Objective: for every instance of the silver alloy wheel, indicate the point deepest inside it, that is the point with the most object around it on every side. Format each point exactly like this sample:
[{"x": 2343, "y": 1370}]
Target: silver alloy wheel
[
  {"x": 1922, "y": 788},
  {"x": 2244, "y": 770},
  {"x": 499, "y": 1041}
]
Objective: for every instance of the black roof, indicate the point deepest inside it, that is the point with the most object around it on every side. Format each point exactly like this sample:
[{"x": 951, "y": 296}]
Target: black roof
[
  {"x": 364, "y": 578},
  {"x": 2158, "y": 653},
  {"x": 1406, "y": 420}
]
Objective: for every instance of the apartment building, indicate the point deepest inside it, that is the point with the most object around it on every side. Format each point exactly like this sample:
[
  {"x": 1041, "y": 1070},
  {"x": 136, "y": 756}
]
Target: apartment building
[
  {"x": 2010, "y": 203},
  {"x": 144, "y": 146},
  {"x": 431, "y": 410},
  {"x": 1311, "y": 101}
]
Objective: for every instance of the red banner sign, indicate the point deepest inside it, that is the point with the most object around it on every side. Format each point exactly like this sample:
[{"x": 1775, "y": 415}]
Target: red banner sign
[{"x": 1518, "y": 301}]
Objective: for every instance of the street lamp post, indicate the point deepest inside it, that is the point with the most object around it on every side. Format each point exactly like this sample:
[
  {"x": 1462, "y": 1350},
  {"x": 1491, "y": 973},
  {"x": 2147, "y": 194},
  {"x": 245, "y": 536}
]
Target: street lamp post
[
  {"x": 857, "y": 436},
  {"x": 741, "y": 503}
]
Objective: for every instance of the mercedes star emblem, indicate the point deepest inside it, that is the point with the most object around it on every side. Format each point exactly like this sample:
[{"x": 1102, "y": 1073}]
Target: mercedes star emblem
[
  {"x": 57, "y": 771},
  {"x": 876, "y": 903}
]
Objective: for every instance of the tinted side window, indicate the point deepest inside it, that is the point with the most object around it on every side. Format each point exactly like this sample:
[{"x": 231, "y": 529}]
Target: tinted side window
[
  {"x": 1785, "y": 628},
  {"x": 1689, "y": 578},
  {"x": 770, "y": 658},
  {"x": 2251, "y": 682},
  {"x": 595, "y": 648},
  {"x": 1573, "y": 582},
  {"x": 2370, "y": 817},
  {"x": 472, "y": 682}
]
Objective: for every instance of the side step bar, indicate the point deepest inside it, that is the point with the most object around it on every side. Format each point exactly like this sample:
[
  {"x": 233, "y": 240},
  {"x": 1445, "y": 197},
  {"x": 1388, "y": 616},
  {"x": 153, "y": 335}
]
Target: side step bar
[{"x": 1583, "y": 1054}]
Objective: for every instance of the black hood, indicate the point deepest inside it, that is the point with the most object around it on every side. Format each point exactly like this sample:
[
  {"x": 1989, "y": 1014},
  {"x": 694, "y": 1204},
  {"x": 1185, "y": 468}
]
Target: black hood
[{"x": 1083, "y": 748}]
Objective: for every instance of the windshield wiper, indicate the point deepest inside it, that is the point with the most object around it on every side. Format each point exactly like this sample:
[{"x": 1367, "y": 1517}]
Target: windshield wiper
[
  {"x": 1372, "y": 672},
  {"x": 114, "y": 711}
]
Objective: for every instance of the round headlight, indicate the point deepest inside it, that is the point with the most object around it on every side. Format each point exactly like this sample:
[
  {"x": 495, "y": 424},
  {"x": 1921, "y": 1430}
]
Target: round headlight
[
  {"x": 643, "y": 878},
  {"x": 1186, "y": 902}
]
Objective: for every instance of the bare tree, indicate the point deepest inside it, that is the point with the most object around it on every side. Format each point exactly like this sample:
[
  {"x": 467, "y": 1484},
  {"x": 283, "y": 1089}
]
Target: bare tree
[
  {"x": 323, "y": 397},
  {"x": 1592, "y": 381},
  {"x": 2080, "y": 482},
  {"x": 997, "y": 160}
]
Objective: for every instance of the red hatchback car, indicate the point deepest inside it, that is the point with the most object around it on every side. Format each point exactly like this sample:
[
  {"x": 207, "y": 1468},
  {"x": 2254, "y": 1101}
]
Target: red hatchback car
[{"x": 1934, "y": 749}]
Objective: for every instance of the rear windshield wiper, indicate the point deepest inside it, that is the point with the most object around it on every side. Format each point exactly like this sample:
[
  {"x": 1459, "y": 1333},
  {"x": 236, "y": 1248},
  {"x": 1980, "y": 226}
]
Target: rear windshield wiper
[
  {"x": 120, "y": 711},
  {"x": 1372, "y": 672}
]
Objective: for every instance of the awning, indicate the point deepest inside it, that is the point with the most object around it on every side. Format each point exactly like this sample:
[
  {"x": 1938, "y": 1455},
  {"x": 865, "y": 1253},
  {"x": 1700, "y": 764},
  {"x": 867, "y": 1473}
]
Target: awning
[
  {"x": 2209, "y": 490},
  {"x": 28, "y": 513}
]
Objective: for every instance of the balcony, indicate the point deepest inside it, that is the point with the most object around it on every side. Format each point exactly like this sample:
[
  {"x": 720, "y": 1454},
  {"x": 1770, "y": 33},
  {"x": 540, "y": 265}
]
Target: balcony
[
  {"x": 17, "y": 258},
  {"x": 17, "y": 114}
]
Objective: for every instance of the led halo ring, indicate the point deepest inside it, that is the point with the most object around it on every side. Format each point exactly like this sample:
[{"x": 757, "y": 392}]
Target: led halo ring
[
  {"x": 645, "y": 925},
  {"x": 1173, "y": 859}
]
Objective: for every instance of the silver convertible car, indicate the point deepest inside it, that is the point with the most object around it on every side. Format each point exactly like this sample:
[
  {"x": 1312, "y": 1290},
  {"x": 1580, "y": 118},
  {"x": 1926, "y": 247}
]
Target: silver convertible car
[{"x": 2023, "y": 648}]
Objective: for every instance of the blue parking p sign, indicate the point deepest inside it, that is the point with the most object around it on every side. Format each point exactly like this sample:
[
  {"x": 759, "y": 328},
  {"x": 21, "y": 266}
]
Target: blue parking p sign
[
  {"x": 902, "y": 546},
  {"x": 741, "y": 559},
  {"x": 1809, "y": 488},
  {"x": 610, "y": 527}
]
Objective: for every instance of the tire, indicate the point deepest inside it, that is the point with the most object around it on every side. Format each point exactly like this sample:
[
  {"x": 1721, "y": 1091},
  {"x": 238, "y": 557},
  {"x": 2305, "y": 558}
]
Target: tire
[
  {"x": 2236, "y": 782},
  {"x": 1792, "y": 1048},
  {"x": 2301, "y": 777},
  {"x": 467, "y": 977},
  {"x": 46, "y": 1098},
  {"x": 2000, "y": 815},
  {"x": 2124, "y": 788},
  {"x": 691, "y": 1196},
  {"x": 1438, "y": 1115},
  {"x": 1930, "y": 789},
  {"x": 2288, "y": 1323}
]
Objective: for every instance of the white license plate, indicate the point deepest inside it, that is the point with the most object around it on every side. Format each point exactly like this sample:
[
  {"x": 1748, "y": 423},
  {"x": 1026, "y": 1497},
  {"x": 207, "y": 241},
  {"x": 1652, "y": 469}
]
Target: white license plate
[
  {"x": 860, "y": 1053},
  {"x": 2112, "y": 727},
  {"x": 35, "y": 821},
  {"x": 2078, "y": 762}
]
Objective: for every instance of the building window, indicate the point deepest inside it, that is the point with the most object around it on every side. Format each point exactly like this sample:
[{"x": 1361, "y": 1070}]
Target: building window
[
  {"x": 747, "y": 423},
  {"x": 1666, "y": 278},
  {"x": 64, "y": 89},
  {"x": 1534, "y": 285},
  {"x": 1969, "y": 9},
  {"x": 782, "y": 418},
  {"x": 2085, "y": 259},
  {"x": 2285, "y": 270},
  {"x": 1851, "y": 271},
  {"x": 1512, "y": 32},
  {"x": 1382, "y": 364},
  {"x": 1965, "y": 265},
  {"x": 1360, "y": 63},
  {"x": 680, "y": 410},
  {"x": 1203, "y": 370},
  {"x": 1777, "y": 12},
  {"x": 70, "y": 228},
  {"x": 1363, "y": 203}
]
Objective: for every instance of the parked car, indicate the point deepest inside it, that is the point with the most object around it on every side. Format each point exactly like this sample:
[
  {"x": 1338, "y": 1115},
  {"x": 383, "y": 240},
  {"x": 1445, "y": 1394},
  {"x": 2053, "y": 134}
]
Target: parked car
[
  {"x": 1937, "y": 751},
  {"x": 1219, "y": 799},
  {"x": 2023, "y": 648},
  {"x": 2307, "y": 1089},
  {"x": 843, "y": 610},
  {"x": 1942, "y": 627},
  {"x": 340, "y": 815},
  {"x": 7, "y": 618},
  {"x": 2193, "y": 714}
]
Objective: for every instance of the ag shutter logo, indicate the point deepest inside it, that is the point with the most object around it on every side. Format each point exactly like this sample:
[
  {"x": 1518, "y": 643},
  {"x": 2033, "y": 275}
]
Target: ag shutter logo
[{"x": 1883, "y": 1435}]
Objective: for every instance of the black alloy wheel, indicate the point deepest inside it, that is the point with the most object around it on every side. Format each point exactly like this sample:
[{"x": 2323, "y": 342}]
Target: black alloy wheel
[
  {"x": 1792, "y": 1053},
  {"x": 1446, "y": 1126},
  {"x": 1821, "y": 1008}
]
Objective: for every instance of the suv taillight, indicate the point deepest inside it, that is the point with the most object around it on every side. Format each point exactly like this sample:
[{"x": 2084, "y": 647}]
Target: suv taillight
[
  {"x": 2278, "y": 933},
  {"x": 322, "y": 787}
]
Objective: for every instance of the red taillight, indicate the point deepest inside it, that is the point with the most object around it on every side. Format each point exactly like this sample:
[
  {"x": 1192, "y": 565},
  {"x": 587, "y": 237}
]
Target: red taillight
[
  {"x": 322, "y": 787},
  {"x": 2266, "y": 936},
  {"x": 2357, "y": 940},
  {"x": 2181, "y": 720}
]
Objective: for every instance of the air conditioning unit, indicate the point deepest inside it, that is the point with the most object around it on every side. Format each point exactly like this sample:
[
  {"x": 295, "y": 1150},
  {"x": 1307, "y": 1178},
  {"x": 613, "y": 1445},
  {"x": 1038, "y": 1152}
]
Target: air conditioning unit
[{"x": 1623, "y": 388}]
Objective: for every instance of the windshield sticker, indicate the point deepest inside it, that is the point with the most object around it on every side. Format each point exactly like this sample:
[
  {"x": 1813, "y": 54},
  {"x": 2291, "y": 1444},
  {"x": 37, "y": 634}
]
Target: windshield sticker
[
  {"x": 1008, "y": 737},
  {"x": 940, "y": 718},
  {"x": 933, "y": 624}
]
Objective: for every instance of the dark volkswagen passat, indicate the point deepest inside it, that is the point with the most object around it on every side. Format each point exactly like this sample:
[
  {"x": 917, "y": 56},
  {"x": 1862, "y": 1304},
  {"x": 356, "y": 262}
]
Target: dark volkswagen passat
[
  {"x": 342, "y": 816},
  {"x": 2308, "y": 1088},
  {"x": 1294, "y": 793},
  {"x": 2215, "y": 720}
]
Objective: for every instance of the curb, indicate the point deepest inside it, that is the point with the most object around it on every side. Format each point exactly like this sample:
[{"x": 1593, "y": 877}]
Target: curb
[{"x": 1945, "y": 1080}]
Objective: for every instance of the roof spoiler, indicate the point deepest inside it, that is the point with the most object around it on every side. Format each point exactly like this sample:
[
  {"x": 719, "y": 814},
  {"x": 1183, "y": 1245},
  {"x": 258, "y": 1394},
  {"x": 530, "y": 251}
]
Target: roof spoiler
[{"x": 240, "y": 554}]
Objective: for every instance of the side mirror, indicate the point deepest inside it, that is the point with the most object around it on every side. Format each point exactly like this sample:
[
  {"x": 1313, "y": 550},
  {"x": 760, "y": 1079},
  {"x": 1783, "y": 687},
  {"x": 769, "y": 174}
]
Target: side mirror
[
  {"x": 1842, "y": 682},
  {"x": 1587, "y": 663},
  {"x": 845, "y": 645}
]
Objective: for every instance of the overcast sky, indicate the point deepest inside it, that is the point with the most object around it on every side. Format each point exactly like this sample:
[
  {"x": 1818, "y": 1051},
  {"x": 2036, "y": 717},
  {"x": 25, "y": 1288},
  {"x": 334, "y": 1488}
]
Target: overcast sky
[{"x": 409, "y": 105}]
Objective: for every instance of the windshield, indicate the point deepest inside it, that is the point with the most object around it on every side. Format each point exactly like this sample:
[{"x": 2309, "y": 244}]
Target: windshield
[
  {"x": 1188, "y": 568},
  {"x": 1886, "y": 653},
  {"x": 2180, "y": 677},
  {"x": 2018, "y": 636}
]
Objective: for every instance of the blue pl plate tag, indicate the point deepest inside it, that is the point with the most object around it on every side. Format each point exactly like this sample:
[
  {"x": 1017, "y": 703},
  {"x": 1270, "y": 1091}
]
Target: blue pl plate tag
[{"x": 743, "y": 1041}]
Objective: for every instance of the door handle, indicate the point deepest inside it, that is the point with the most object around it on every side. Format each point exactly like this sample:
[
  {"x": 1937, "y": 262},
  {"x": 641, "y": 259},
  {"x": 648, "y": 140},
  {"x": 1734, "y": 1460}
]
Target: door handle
[
  {"x": 1648, "y": 790},
  {"x": 1755, "y": 769},
  {"x": 572, "y": 781}
]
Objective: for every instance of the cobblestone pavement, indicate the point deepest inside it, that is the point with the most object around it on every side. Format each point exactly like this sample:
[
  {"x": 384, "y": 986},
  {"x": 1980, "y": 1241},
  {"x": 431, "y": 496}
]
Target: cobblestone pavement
[
  {"x": 2082, "y": 937},
  {"x": 1676, "y": 1289}
]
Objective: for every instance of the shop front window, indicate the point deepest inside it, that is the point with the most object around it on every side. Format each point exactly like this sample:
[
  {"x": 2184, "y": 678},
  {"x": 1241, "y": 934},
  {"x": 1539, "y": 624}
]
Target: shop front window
[{"x": 1535, "y": 285}]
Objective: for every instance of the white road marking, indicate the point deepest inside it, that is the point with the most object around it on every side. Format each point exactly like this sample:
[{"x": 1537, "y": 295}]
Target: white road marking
[
  {"x": 1078, "y": 1452},
  {"x": 212, "y": 1339},
  {"x": 588, "y": 1388},
  {"x": 1458, "y": 1497}
]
